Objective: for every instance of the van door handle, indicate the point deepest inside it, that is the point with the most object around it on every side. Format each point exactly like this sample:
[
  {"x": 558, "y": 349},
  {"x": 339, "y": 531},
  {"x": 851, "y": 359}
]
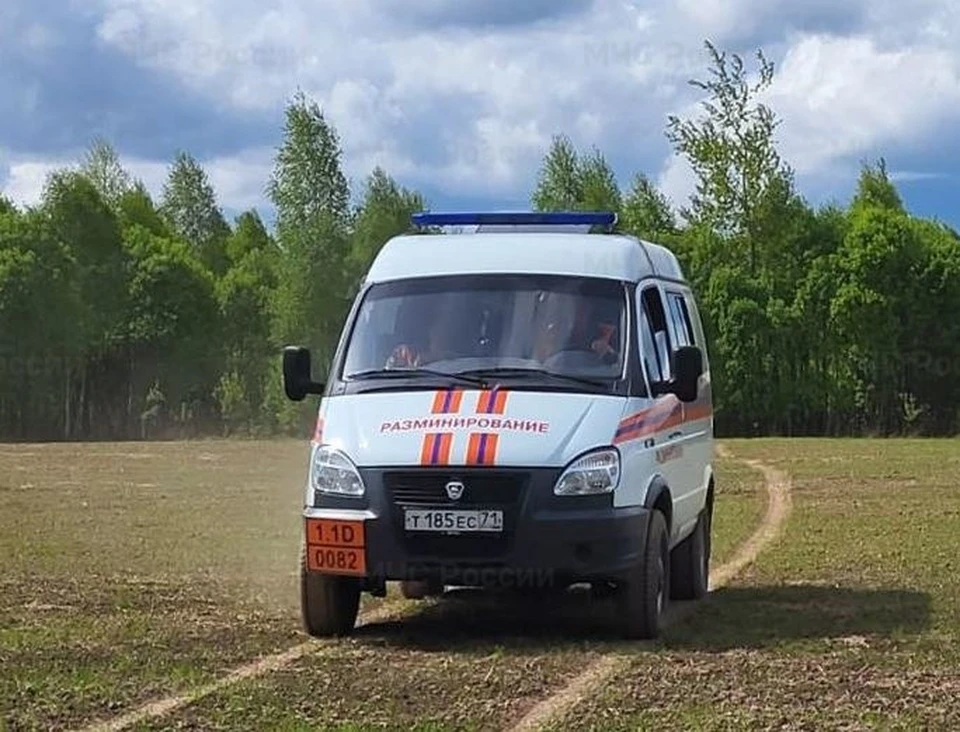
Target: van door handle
[{"x": 675, "y": 435}]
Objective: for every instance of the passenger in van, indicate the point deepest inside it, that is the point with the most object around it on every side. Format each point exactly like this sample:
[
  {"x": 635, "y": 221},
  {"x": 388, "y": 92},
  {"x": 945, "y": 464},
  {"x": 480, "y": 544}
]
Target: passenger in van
[
  {"x": 602, "y": 345},
  {"x": 588, "y": 333}
]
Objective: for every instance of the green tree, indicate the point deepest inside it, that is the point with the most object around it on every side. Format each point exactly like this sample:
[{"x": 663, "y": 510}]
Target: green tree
[
  {"x": 569, "y": 181},
  {"x": 871, "y": 311},
  {"x": 746, "y": 244},
  {"x": 101, "y": 166},
  {"x": 933, "y": 338},
  {"x": 384, "y": 213},
  {"x": 311, "y": 196},
  {"x": 38, "y": 340},
  {"x": 172, "y": 315},
  {"x": 244, "y": 295},
  {"x": 733, "y": 153},
  {"x": 136, "y": 207},
  {"x": 308, "y": 183},
  {"x": 234, "y": 402},
  {"x": 874, "y": 189},
  {"x": 88, "y": 228},
  {"x": 189, "y": 205},
  {"x": 598, "y": 184},
  {"x": 646, "y": 212},
  {"x": 559, "y": 181},
  {"x": 249, "y": 235}
]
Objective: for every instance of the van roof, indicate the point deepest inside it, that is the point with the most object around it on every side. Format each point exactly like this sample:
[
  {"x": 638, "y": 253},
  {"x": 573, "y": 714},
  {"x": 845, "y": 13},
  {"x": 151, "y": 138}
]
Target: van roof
[{"x": 609, "y": 256}]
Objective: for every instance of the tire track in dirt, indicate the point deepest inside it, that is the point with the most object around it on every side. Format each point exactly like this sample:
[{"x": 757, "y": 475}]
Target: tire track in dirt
[
  {"x": 274, "y": 662},
  {"x": 777, "y": 483}
]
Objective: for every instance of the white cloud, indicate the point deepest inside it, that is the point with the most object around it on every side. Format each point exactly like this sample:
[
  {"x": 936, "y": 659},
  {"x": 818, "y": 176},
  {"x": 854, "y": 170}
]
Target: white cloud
[
  {"x": 493, "y": 97},
  {"x": 677, "y": 181},
  {"x": 26, "y": 179},
  {"x": 444, "y": 101},
  {"x": 911, "y": 176},
  {"x": 843, "y": 97},
  {"x": 240, "y": 180}
]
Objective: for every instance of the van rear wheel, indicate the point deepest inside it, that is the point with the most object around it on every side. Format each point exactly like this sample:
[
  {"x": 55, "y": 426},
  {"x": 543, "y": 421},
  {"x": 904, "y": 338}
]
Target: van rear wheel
[
  {"x": 328, "y": 603},
  {"x": 690, "y": 564},
  {"x": 643, "y": 599}
]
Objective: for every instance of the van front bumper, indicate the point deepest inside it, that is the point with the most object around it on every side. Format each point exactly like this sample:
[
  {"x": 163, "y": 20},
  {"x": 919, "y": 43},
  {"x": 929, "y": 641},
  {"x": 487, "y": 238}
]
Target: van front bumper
[{"x": 547, "y": 541}]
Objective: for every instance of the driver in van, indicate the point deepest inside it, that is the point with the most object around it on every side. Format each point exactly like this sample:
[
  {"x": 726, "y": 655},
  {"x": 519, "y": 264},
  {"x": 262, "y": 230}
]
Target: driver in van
[{"x": 406, "y": 355}]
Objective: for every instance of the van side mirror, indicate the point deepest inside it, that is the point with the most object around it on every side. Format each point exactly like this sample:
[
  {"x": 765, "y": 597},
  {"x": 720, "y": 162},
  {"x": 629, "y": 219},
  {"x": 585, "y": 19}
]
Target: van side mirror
[
  {"x": 687, "y": 370},
  {"x": 297, "y": 376}
]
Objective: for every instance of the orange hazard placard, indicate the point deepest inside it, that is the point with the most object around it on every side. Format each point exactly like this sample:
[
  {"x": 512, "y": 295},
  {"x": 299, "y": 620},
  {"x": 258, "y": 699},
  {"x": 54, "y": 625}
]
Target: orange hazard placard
[{"x": 336, "y": 547}]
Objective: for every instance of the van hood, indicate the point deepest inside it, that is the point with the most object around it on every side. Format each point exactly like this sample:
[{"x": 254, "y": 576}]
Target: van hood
[{"x": 464, "y": 427}]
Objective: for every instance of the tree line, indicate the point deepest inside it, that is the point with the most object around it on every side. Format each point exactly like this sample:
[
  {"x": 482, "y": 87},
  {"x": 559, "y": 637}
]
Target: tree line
[{"x": 126, "y": 317}]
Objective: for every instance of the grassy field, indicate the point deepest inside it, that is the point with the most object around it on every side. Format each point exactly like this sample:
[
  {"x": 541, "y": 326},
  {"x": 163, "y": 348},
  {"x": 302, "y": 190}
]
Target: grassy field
[
  {"x": 129, "y": 571},
  {"x": 134, "y": 571},
  {"x": 852, "y": 621}
]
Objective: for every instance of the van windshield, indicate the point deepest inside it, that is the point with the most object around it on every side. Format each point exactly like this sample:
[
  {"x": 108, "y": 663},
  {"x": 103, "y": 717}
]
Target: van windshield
[{"x": 522, "y": 326}]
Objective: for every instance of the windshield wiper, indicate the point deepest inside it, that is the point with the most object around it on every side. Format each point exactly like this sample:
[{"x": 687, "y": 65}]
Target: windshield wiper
[
  {"x": 504, "y": 371},
  {"x": 414, "y": 373}
]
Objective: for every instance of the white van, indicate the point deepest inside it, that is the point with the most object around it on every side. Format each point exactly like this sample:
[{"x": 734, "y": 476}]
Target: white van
[{"x": 525, "y": 405}]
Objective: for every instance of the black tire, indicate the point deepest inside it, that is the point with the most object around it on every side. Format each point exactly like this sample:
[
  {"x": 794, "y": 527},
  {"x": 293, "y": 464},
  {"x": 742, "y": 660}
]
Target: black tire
[
  {"x": 328, "y": 603},
  {"x": 690, "y": 564},
  {"x": 644, "y": 597}
]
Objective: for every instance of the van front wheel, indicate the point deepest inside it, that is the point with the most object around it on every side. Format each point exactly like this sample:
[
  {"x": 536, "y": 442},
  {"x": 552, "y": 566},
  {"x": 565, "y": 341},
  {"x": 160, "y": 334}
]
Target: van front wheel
[
  {"x": 690, "y": 564},
  {"x": 328, "y": 603},
  {"x": 644, "y": 597}
]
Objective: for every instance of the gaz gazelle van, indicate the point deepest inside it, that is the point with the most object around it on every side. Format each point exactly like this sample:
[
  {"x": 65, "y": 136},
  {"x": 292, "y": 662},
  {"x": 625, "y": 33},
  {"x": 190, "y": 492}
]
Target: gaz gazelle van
[{"x": 521, "y": 400}]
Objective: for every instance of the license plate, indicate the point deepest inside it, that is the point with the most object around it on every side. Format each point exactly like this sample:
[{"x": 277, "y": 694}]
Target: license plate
[
  {"x": 452, "y": 521},
  {"x": 336, "y": 547}
]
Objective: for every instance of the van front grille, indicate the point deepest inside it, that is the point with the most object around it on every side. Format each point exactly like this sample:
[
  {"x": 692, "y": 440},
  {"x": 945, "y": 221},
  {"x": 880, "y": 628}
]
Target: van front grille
[{"x": 489, "y": 489}]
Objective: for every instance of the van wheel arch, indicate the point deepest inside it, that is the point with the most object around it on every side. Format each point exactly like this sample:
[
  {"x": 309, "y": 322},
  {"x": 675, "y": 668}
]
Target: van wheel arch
[{"x": 659, "y": 498}]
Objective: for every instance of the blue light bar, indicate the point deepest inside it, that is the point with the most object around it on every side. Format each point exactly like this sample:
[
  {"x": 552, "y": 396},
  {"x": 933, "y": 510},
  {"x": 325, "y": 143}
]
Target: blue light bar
[{"x": 521, "y": 218}]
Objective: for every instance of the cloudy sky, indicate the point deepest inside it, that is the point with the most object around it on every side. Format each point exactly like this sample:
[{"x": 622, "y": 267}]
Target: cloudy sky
[{"x": 459, "y": 98}]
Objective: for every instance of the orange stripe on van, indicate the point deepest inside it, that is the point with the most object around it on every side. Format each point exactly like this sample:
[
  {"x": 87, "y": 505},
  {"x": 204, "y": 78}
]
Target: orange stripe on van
[
  {"x": 436, "y": 448},
  {"x": 493, "y": 401},
  {"x": 482, "y": 448},
  {"x": 697, "y": 411},
  {"x": 426, "y": 449},
  {"x": 446, "y": 446},
  {"x": 665, "y": 413},
  {"x": 447, "y": 401},
  {"x": 473, "y": 444}
]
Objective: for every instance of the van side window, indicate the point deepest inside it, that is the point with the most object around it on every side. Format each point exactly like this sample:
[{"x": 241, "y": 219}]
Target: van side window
[
  {"x": 656, "y": 338},
  {"x": 681, "y": 319},
  {"x": 649, "y": 349}
]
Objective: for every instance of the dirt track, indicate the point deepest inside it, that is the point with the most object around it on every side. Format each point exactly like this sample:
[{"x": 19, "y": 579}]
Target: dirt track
[{"x": 550, "y": 708}]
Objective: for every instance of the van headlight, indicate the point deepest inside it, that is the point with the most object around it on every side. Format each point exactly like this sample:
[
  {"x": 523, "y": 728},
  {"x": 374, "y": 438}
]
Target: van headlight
[
  {"x": 593, "y": 473},
  {"x": 332, "y": 473}
]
